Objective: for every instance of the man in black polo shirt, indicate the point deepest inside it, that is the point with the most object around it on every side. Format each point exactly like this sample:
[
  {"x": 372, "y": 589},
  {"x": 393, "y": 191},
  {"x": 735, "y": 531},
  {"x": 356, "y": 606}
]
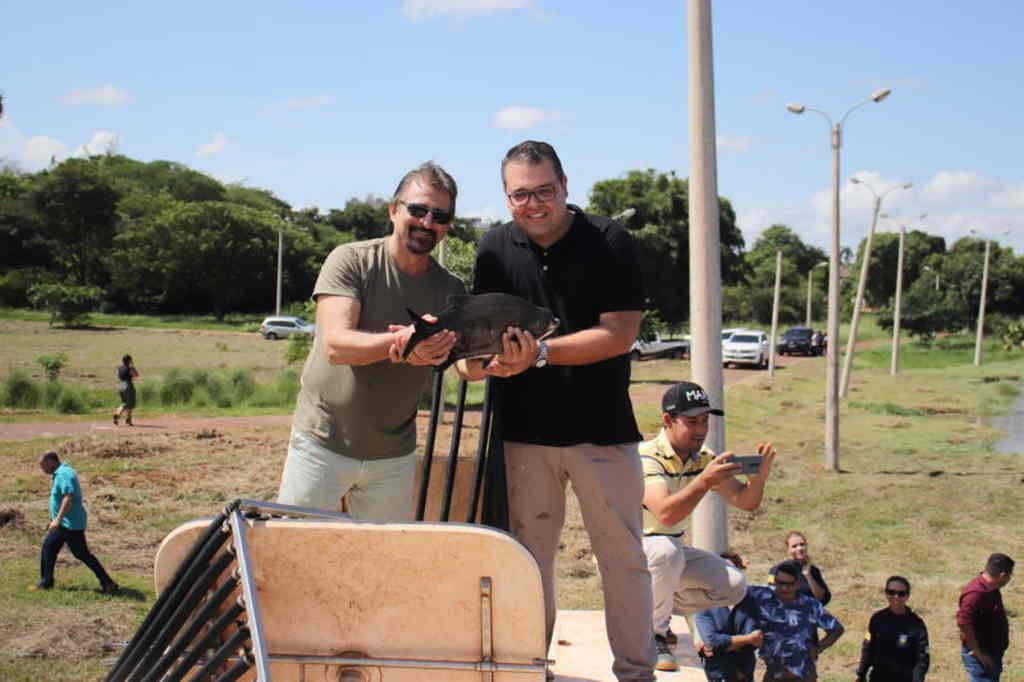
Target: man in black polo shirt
[{"x": 565, "y": 408}]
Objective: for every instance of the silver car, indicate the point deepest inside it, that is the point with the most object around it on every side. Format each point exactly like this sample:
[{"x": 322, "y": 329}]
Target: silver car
[{"x": 279, "y": 327}]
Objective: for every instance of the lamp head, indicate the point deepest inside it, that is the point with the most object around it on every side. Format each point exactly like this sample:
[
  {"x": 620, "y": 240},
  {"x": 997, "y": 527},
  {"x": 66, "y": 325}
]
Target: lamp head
[
  {"x": 879, "y": 95},
  {"x": 907, "y": 185},
  {"x": 795, "y": 108},
  {"x": 855, "y": 181}
]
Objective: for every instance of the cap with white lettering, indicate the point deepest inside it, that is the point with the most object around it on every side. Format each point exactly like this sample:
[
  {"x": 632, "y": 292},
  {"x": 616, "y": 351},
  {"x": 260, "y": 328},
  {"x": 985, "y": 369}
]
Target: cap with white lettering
[{"x": 688, "y": 399}]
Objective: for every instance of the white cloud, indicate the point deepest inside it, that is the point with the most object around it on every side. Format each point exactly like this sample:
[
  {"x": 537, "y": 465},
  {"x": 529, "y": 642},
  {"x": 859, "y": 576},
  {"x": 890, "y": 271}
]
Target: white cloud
[
  {"x": 733, "y": 144},
  {"x": 951, "y": 186},
  {"x": 308, "y": 102},
  {"x": 521, "y": 118},
  {"x": 416, "y": 10},
  {"x": 214, "y": 146},
  {"x": 39, "y": 151},
  {"x": 102, "y": 142},
  {"x": 107, "y": 95},
  {"x": 1011, "y": 199}
]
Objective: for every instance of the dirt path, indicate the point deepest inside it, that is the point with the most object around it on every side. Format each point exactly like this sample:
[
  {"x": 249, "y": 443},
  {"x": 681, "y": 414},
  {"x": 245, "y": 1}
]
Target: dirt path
[{"x": 641, "y": 393}]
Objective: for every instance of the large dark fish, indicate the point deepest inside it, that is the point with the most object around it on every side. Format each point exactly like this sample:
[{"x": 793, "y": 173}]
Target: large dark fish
[{"x": 480, "y": 321}]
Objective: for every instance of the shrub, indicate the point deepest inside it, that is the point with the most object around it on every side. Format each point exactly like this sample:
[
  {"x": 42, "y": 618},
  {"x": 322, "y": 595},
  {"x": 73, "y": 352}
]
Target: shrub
[
  {"x": 53, "y": 364},
  {"x": 70, "y": 305},
  {"x": 72, "y": 401},
  {"x": 176, "y": 389},
  {"x": 242, "y": 384},
  {"x": 19, "y": 391},
  {"x": 52, "y": 391}
]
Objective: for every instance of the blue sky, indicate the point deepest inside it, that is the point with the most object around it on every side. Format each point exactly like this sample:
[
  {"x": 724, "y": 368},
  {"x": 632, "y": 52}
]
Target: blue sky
[{"x": 323, "y": 101}]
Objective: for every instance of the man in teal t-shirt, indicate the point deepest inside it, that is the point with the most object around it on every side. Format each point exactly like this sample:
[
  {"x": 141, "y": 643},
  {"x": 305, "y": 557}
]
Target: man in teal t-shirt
[{"x": 67, "y": 525}]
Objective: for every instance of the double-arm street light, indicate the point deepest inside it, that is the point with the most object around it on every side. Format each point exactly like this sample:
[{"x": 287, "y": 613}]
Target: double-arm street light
[
  {"x": 897, "y": 309},
  {"x": 810, "y": 290},
  {"x": 865, "y": 262},
  {"x": 984, "y": 291},
  {"x": 832, "y": 357}
]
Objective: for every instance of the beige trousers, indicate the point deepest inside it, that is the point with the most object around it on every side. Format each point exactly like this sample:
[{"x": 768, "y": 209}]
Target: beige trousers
[{"x": 608, "y": 481}]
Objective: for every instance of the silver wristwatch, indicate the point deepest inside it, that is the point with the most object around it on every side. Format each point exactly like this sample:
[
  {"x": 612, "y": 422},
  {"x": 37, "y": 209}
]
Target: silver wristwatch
[{"x": 542, "y": 354}]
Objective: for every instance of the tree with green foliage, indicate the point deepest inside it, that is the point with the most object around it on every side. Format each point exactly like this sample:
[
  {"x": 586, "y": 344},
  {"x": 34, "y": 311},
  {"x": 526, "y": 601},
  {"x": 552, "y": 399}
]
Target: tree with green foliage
[
  {"x": 661, "y": 227},
  {"x": 755, "y": 297},
  {"x": 880, "y": 286},
  {"x": 68, "y": 304},
  {"x": 195, "y": 257},
  {"x": 77, "y": 211}
]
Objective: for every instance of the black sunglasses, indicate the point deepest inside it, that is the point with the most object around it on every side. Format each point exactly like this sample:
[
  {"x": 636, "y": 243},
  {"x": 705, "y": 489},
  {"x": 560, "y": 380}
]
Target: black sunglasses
[
  {"x": 421, "y": 211},
  {"x": 896, "y": 593}
]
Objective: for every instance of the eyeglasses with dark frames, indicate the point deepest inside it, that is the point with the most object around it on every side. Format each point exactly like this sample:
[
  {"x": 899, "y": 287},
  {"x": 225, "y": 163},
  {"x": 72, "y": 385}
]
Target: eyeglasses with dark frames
[
  {"x": 896, "y": 593},
  {"x": 441, "y": 217},
  {"x": 521, "y": 197}
]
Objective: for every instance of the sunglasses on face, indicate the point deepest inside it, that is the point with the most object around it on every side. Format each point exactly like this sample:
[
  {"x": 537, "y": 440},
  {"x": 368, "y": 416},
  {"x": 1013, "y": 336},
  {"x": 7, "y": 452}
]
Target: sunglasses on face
[
  {"x": 896, "y": 593},
  {"x": 420, "y": 211},
  {"x": 521, "y": 197}
]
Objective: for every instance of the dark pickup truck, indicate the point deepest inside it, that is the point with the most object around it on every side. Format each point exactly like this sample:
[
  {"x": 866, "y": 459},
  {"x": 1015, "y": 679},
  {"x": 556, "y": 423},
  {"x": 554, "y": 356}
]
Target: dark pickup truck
[{"x": 799, "y": 340}]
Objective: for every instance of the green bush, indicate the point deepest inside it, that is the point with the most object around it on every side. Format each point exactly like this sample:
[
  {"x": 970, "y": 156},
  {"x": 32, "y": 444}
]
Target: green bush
[
  {"x": 176, "y": 389},
  {"x": 53, "y": 364},
  {"x": 52, "y": 391},
  {"x": 19, "y": 391},
  {"x": 70, "y": 305},
  {"x": 242, "y": 384},
  {"x": 72, "y": 402}
]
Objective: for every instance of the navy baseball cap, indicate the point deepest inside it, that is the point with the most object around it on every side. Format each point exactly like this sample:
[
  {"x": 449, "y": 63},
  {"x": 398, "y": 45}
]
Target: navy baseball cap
[{"x": 688, "y": 399}]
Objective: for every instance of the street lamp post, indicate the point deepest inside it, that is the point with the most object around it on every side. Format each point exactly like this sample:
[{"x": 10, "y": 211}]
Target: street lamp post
[
  {"x": 981, "y": 304},
  {"x": 280, "y": 252},
  {"x": 775, "y": 313},
  {"x": 866, "y": 261},
  {"x": 810, "y": 294},
  {"x": 897, "y": 307},
  {"x": 832, "y": 374}
]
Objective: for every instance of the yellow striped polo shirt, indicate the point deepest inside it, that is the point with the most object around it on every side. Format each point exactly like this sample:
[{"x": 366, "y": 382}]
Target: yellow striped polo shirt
[{"x": 662, "y": 465}]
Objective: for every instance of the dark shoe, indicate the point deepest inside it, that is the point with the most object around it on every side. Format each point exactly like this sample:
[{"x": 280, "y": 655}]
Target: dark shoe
[
  {"x": 129, "y": 422},
  {"x": 39, "y": 588},
  {"x": 115, "y": 420},
  {"x": 670, "y": 636},
  {"x": 111, "y": 588},
  {"x": 666, "y": 659}
]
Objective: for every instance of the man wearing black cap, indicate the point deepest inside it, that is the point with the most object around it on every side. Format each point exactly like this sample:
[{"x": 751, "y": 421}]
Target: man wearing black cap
[{"x": 678, "y": 472}]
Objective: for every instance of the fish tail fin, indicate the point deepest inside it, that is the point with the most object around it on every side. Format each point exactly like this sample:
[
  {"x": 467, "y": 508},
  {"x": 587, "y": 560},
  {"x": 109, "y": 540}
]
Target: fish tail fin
[{"x": 423, "y": 329}]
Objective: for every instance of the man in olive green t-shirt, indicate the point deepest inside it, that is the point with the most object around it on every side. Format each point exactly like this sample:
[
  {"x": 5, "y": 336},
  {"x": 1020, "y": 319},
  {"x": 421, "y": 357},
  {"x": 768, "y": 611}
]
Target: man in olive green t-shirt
[{"x": 354, "y": 429}]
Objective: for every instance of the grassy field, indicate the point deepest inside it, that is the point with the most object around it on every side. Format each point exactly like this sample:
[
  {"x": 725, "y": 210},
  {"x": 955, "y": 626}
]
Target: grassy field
[{"x": 920, "y": 493}]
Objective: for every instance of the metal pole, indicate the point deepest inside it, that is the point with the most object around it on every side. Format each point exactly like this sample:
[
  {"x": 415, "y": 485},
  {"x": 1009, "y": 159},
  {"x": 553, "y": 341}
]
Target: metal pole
[
  {"x": 710, "y": 531},
  {"x": 832, "y": 352},
  {"x": 280, "y": 252},
  {"x": 852, "y": 338},
  {"x": 894, "y": 365},
  {"x": 981, "y": 306},
  {"x": 775, "y": 313},
  {"x": 810, "y": 280}
]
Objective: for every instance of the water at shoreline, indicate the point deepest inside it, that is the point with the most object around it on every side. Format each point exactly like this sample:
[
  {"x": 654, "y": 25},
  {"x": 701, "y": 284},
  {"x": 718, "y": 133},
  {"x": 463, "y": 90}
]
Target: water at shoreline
[{"x": 1012, "y": 423}]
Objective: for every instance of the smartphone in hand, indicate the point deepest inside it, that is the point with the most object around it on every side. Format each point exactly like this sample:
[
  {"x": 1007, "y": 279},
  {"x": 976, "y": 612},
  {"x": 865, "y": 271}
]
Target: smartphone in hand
[{"x": 749, "y": 464}]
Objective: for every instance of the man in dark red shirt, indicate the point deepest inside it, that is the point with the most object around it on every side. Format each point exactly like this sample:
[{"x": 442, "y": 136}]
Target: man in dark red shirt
[{"x": 984, "y": 629}]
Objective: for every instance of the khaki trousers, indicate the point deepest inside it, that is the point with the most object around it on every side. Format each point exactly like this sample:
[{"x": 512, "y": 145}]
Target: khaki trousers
[{"x": 608, "y": 481}]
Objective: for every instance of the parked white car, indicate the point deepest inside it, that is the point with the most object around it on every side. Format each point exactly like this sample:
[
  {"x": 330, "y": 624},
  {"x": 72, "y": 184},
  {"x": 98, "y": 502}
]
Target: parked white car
[
  {"x": 279, "y": 327},
  {"x": 745, "y": 347}
]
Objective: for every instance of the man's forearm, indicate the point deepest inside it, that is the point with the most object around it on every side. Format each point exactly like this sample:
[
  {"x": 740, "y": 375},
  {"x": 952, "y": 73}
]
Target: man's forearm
[
  {"x": 680, "y": 504},
  {"x": 63, "y": 509},
  {"x": 830, "y": 638}
]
